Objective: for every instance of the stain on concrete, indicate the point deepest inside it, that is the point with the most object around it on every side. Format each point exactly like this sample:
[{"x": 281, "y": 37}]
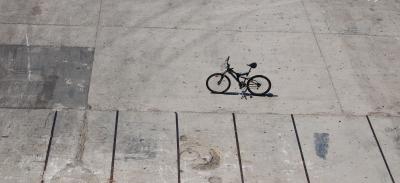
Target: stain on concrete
[
  {"x": 46, "y": 92},
  {"x": 198, "y": 156},
  {"x": 215, "y": 179},
  {"x": 36, "y": 10},
  {"x": 211, "y": 162},
  {"x": 183, "y": 138},
  {"x": 139, "y": 148},
  {"x": 394, "y": 132},
  {"x": 34, "y": 76},
  {"x": 75, "y": 173},
  {"x": 321, "y": 142}
]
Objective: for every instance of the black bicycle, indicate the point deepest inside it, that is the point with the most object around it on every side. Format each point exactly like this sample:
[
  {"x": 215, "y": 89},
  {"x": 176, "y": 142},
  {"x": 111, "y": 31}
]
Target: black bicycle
[{"x": 257, "y": 85}]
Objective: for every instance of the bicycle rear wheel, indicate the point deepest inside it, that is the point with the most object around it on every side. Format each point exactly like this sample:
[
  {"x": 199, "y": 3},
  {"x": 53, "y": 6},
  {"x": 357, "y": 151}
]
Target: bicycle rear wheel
[
  {"x": 218, "y": 83},
  {"x": 259, "y": 85}
]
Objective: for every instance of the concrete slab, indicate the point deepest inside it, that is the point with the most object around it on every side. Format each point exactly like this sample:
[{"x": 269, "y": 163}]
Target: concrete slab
[
  {"x": 254, "y": 15},
  {"x": 208, "y": 148},
  {"x": 76, "y": 12},
  {"x": 269, "y": 149},
  {"x": 365, "y": 72},
  {"x": 355, "y": 17},
  {"x": 24, "y": 139},
  {"x": 44, "y": 77},
  {"x": 167, "y": 71},
  {"x": 387, "y": 130},
  {"x": 146, "y": 148},
  {"x": 340, "y": 149},
  {"x": 82, "y": 146},
  {"x": 47, "y": 35}
]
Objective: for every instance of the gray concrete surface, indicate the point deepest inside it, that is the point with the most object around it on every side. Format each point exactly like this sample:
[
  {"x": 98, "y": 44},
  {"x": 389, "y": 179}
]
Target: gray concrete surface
[
  {"x": 47, "y": 35},
  {"x": 335, "y": 148},
  {"x": 364, "y": 70},
  {"x": 322, "y": 56},
  {"x": 146, "y": 148},
  {"x": 327, "y": 60},
  {"x": 206, "y": 155},
  {"x": 78, "y": 12},
  {"x": 269, "y": 149},
  {"x": 354, "y": 17},
  {"x": 23, "y": 144},
  {"x": 174, "y": 77},
  {"x": 82, "y": 146},
  {"x": 44, "y": 77},
  {"x": 387, "y": 130},
  {"x": 340, "y": 149},
  {"x": 252, "y": 15}
]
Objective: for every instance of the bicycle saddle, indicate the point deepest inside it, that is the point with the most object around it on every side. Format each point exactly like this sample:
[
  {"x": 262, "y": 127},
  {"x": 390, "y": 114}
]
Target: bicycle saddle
[{"x": 252, "y": 65}]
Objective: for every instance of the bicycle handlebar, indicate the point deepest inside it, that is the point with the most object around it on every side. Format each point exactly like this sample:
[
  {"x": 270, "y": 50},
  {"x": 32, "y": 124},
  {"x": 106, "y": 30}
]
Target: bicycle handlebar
[{"x": 227, "y": 62}]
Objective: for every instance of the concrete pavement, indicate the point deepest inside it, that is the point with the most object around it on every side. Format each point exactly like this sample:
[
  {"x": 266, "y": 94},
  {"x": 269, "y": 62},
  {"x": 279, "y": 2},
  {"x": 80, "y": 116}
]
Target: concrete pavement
[
  {"x": 98, "y": 146},
  {"x": 331, "y": 63}
]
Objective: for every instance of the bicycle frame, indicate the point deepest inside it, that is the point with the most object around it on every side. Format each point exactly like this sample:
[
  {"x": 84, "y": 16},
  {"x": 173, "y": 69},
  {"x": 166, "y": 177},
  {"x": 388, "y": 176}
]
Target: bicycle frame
[
  {"x": 250, "y": 83},
  {"x": 237, "y": 76}
]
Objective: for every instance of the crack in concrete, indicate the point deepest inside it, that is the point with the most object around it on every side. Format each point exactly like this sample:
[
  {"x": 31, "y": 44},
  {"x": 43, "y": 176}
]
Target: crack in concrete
[{"x": 82, "y": 139}]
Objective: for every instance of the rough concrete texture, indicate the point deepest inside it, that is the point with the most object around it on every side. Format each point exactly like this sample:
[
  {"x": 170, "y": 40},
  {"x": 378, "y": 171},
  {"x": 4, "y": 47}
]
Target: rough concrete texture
[
  {"x": 364, "y": 71},
  {"x": 327, "y": 60},
  {"x": 269, "y": 149},
  {"x": 335, "y": 148},
  {"x": 59, "y": 12},
  {"x": 47, "y": 35},
  {"x": 81, "y": 149},
  {"x": 355, "y": 17},
  {"x": 24, "y": 137},
  {"x": 387, "y": 130},
  {"x": 44, "y": 77},
  {"x": 322, "y": 56},
  {"x": 173, "y": 77},
  {"x": 146, "y": 148},
  {"x": 206, "y": 155},
  {"x": 251, "y": 15},
  {"x": 340, "y": 149}
]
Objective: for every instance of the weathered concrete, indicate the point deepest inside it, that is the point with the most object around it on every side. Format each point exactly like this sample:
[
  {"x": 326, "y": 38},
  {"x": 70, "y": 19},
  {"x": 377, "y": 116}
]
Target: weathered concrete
[
  {"x": 387, "y": 130},
  {"x": 269, "y": 149},
  {"x": 44, "y": 77},
  {"x": 47, "y": 35},
  {"x": 324, "y": 58},
  {"x": 340, "y": 149},
  {"x": 82, "y": 146},
  {"x": 24, "y": 137},
  {"x": 146, "y": 148},
  {"x": 364, "y": 71},
  {"x": 208, "y": 148},
  {"x": 372, "y": 17},
  {"x": 152, "y": 62},
  {"x": 158, "y": 76},
  {"x": 254, "y": 15},
  {"x": 59, "y": 12}
]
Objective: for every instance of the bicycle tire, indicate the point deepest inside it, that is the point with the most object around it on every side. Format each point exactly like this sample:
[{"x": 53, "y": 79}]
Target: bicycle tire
[
  {"x": 214, "y": 91},
  {"x": 252, "y": 79}
]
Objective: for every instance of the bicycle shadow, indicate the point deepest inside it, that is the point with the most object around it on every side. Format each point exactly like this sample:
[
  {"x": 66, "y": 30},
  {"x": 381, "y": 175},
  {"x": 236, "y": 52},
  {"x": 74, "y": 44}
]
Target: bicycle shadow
[{"x": 247, "y": 94}]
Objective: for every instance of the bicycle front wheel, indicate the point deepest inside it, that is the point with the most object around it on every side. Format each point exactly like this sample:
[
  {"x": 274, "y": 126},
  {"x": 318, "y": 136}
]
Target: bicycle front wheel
[
  {"x": 259, "y": 85},
  {"x": 218, "y": 83}
]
